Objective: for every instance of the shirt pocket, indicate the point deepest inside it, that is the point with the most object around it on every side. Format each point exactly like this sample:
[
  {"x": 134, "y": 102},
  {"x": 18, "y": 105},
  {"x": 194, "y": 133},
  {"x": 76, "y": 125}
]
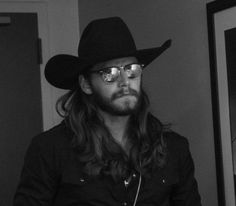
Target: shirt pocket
[
  {"x": 82, "y": 188},
  {"x": 159, "y": 186},
  {"x": 75, "y": 180}
]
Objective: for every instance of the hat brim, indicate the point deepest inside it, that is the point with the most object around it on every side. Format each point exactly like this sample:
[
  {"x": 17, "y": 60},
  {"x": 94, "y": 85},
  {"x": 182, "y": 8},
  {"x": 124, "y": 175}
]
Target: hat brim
[{"x": 62, "y": 70}]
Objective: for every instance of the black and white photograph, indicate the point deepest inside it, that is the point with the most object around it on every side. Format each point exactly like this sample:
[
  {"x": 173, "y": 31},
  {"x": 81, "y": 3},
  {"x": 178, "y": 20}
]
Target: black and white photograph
[{"x": 108, "y": 103}]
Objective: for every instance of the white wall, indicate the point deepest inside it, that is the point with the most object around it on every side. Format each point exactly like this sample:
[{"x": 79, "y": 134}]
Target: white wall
[
  {"x": 178, "y": 82},
  {"x": 63, "y": 25}
]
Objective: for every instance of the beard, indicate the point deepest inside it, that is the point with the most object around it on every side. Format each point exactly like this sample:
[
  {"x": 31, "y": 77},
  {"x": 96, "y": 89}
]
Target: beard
[{"x": 125, "y": 108}]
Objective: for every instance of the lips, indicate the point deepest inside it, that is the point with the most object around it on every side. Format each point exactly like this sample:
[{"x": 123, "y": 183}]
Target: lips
[{"x": 125, "y": 95}]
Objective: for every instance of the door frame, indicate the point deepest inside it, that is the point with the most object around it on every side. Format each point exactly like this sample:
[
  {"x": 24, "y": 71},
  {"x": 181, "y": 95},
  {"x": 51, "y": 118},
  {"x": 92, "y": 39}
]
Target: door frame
[{"x": 57, "y": 35}]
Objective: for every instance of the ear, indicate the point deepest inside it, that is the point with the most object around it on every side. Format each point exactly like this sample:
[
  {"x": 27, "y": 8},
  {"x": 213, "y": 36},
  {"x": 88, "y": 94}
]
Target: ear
[{"x": 85, "y": 85}]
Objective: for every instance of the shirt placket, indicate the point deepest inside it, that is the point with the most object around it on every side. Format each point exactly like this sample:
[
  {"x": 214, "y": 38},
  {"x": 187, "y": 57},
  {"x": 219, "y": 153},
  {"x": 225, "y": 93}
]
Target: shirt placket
[{"x": 130, "y": 185}]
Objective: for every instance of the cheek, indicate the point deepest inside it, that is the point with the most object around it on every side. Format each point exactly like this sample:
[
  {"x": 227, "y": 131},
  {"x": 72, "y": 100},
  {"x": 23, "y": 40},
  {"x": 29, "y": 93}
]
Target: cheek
[
  {"x": 104, "y": 91},
  {"x": 136, "y": 84}
]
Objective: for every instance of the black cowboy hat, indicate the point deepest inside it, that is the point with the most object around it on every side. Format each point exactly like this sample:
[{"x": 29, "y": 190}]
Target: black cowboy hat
[{"x": 102, "y": 40}]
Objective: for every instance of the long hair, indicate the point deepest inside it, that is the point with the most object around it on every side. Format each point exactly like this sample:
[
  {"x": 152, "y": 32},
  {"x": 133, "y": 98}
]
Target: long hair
[{"x": 96, "y": 147}]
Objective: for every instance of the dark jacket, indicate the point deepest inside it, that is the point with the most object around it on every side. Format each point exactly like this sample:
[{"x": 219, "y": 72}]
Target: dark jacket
[{"x": 52, "y": 176}]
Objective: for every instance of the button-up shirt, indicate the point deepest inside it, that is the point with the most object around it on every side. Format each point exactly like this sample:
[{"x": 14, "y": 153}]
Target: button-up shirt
[{"x": 52, "y": 176}]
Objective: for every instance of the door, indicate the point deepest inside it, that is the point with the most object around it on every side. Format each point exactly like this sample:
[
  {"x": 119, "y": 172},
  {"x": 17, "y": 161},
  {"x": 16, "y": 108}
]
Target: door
[{"x": 20, "y": 96}]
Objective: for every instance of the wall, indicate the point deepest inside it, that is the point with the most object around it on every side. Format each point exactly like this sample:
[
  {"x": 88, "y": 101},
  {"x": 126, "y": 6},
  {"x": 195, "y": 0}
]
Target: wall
[
  {"x": 58, "y": 36},
  {"x": 63, "y": 25},
  {"x": 178, "y": 82}
]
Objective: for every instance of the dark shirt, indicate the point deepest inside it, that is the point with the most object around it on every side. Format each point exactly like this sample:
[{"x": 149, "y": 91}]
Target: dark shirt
[{"x": 52, "y": 176}]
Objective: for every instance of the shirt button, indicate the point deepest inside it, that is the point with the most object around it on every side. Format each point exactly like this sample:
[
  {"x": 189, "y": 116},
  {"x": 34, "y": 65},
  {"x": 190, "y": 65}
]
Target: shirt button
[
  {"x": 124, "y": 204},
  {"x": 81, "y": 180}
]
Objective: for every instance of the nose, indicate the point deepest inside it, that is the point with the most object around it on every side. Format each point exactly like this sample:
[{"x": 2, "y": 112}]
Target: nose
[{"x": 123, "y": 79}]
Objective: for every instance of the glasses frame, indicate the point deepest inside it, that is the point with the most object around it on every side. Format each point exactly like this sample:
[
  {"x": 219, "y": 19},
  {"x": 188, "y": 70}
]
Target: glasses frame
[{"x": 101, "y": 71}]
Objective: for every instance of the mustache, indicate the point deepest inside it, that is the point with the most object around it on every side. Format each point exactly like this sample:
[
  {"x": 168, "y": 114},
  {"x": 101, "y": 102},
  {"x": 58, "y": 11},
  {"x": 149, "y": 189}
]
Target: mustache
[{"x": 124, "y": 92}]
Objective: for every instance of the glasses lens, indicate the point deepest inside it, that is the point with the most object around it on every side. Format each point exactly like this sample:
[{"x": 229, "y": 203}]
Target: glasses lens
[
  {"x": 110, "y": 74},
  {"x": 133, "y": 70}
]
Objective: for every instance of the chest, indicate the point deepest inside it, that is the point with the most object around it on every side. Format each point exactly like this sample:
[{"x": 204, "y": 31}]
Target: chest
[{"x": 76, "y": 188}]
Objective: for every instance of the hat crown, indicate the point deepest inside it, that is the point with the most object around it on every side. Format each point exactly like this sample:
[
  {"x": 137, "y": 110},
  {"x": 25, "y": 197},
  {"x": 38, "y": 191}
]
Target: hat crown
[
  {"x": 105, "y": 38},
  {"x": 102, "y": 40}
]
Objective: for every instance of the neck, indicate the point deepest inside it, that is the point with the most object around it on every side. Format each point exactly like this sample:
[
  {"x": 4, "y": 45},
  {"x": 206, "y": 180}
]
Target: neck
[{"x": 117, "y": 126}]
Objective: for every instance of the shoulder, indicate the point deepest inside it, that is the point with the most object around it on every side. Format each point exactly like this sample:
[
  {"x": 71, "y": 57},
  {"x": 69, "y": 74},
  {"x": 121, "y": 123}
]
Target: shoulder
[
  {"x": 50, "y": 149},
  {"x": 175, "y": 140},
  {"x": 177, "y": 147},
  {"x": 57, "y": 137},
  {"x": 171, "y": 137}
]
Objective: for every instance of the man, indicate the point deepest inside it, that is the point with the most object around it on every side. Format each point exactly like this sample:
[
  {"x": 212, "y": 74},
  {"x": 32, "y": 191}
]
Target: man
[{"x": 109, "y": 150}]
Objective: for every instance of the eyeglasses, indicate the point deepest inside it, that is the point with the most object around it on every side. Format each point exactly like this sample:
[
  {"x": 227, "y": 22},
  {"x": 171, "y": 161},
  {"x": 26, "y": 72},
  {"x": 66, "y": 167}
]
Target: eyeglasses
[{"x": 111, "y": 74}]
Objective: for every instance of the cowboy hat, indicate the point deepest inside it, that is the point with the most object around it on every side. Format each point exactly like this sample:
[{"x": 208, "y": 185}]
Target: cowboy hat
[{"x": 102, "y": 40}]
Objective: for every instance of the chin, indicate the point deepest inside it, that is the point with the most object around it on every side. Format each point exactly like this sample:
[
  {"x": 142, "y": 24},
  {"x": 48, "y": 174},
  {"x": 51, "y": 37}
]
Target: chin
[{"x": 124, "y": 111}]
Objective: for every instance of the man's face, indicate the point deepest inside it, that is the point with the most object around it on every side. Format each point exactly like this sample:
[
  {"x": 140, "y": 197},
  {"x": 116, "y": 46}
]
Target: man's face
[{"x": 120, "y": 97}]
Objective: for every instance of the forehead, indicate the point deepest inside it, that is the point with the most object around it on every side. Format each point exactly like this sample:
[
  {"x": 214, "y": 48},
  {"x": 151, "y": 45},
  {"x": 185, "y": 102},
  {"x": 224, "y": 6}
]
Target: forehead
[{"x": 115, "y": 62}]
